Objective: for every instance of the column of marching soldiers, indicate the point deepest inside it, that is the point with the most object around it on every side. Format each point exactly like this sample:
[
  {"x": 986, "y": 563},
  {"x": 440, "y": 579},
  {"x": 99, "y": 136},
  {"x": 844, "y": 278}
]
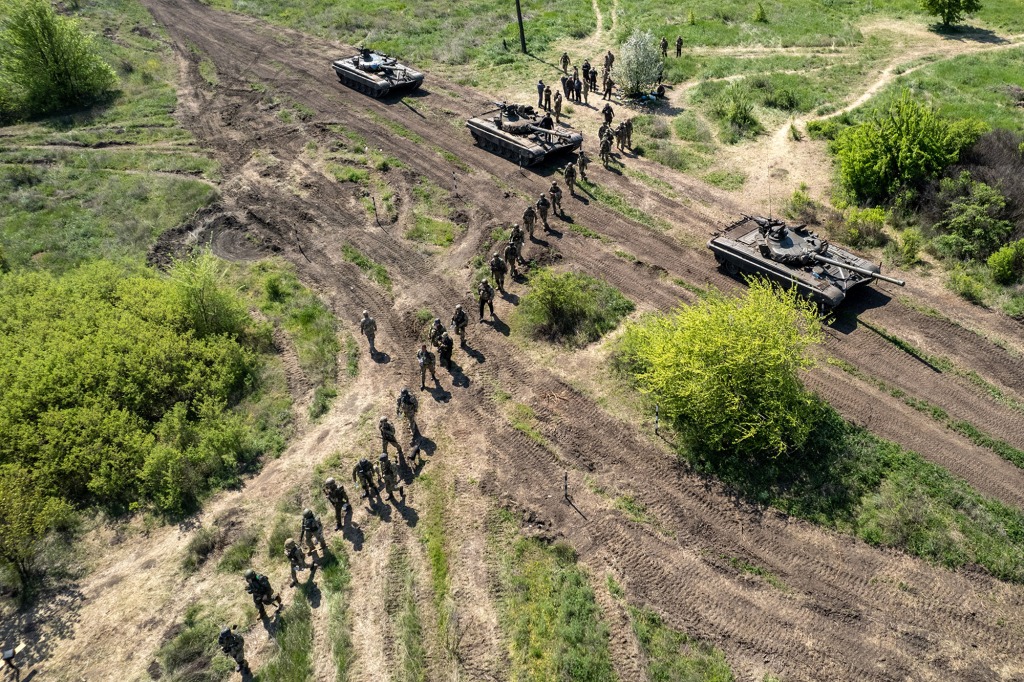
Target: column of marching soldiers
[{"x": 501, "y": 263}]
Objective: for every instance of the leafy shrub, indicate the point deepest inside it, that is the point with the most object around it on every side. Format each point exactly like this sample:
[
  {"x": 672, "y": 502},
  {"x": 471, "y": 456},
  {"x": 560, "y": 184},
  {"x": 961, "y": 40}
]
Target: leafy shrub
[
  {"x": 760, "y": 15},
  {"x": 827, "y": 129},
  {"x": 950, "y": 11},
  {"x": 801, "y": 207},
  {"x": 905, "y": 253},
  {"x": 901, "y": 147},
  {"x": 639, "y": 67},
  {"x": 973, "y": 226},
  {"x": 1007, "y": 264},
  {"x": 47, "y": 63},
  {"x": 192, "y": 654},
  {"x": 725, "y": 371},
  {"x": 735, "y": 112},
  {"x": 200, "y": 546},
  {"x": 967, "y": 286},
  {"x": 1015, "y": 307},
  {"x": 239, "y": 555},
  {"x": 570, "y": 307},
  {"x": 864, "y": 227}
]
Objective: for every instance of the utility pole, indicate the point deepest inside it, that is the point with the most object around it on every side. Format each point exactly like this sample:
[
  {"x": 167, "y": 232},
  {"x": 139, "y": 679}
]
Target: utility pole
[{"x": 522, "y": 34}]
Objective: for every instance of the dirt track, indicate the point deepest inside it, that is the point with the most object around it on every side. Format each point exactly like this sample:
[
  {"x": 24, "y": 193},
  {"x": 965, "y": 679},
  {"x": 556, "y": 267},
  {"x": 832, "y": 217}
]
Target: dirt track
[{"x": 849, "y": 611}]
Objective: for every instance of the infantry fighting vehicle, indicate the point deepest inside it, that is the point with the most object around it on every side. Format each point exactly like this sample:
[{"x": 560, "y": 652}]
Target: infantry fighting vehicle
[
  {"x": 793, "y": 256},
  {"x": 376, "y": 74},
  {"x": 520, "y": 134}
]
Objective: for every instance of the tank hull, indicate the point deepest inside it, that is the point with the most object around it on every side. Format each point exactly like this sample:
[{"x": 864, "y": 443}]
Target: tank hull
[
  {"x": 526, "y": 150},
  {"x": 743, "y": 249},
  {"x": 376, "y": 75}
]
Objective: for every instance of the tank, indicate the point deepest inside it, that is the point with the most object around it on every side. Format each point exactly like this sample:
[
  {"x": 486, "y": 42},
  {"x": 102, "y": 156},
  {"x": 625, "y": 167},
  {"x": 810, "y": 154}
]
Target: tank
[
  {"x": 519, "y": 133},
  {"x": 793, "y": 256},
  {"x": 376, "y": 74}
]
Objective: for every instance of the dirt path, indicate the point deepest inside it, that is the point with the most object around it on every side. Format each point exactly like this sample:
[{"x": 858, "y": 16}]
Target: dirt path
[{"x": 847, "y": 610}]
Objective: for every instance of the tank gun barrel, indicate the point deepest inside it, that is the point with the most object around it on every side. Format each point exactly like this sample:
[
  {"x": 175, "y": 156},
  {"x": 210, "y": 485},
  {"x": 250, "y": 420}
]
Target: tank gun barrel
[
  {"x": 556, "y": 133},
  {"x": 867, "y": 273}
]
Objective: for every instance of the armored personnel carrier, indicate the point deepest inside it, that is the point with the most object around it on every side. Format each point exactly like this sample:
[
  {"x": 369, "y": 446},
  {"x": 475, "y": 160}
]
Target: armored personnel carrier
[
  {"x": 519, "y": 133},
  {"x": 793, "y": 256},
  {"x": 376, "y": 74}
]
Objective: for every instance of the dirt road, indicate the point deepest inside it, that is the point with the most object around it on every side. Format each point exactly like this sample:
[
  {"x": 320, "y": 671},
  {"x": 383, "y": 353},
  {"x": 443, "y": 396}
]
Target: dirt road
[{"x": 846, "y": 611}]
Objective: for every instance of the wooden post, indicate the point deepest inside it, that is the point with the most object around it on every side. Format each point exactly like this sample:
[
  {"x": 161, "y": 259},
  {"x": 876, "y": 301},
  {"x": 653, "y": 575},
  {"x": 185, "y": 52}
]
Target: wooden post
[{"x": 522, "y": 34}]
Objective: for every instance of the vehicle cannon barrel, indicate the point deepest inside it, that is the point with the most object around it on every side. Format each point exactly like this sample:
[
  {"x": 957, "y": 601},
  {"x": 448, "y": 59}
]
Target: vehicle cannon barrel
[
  {"x": 560, "y": 135},
  {"x": 862, "y": 271}
]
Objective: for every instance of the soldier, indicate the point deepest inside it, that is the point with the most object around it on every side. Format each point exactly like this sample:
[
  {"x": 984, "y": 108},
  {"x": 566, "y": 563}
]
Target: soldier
[
  {"x": 362, "y": 474},
  {"x": 485, "y": 294},
  {"x": 564, "y": 61},
  {"x": 664, "y": 47},
  {"x": 628, "y": 133},
  {"x": 233, "y": 645},
  {"x": 459, "y": 322},
  {"x": 606, "y": 150},
  {"x": 509, "y": 256},
  {"x": 586, "y": 90},
  {"x": 593, "y": 79},
  {"x": 558, "y": 107},
  {"x": 542, "y": 208},
  {"x": 547, "y": 97},
  {"x": 368, "y": 326},
  {"x": 679, "y": 46},
  {"x": 387, "y": 435},
  {"x": 436, "y": 330},
  {"x": 389, "y": 477},
  {"x": 498, "y": 271},
  {"x": 608, "y": 113},
  {"x": 516, "y": 238},
  {"x": 444, "y": 351},
  {"x": 262, "y": 593},
  {"x": 556, "y": 198},
  {"x": 579, "y": 90},
  {"x": 407, "y": 407},
  {"x": 582, "y": 161},
  {"x": 586, "y": 70},
  {"x": 312, "y": 529},
  {"x": 609, "y": 61},
  {"x": 564, "y": 80},
  {"x": 602, "y": 131},
  {"x": 540, "y": 93},
  {"x": 609, "y": 86},
  {"x": 336, "y": 494},
  {"x": 529, "y": 219},
  {"x": 620, "y": 135},
  {"x": 426, "y": 360},
  {"x": 570, "y": 177},
  {"x": 296, "y": 559}
]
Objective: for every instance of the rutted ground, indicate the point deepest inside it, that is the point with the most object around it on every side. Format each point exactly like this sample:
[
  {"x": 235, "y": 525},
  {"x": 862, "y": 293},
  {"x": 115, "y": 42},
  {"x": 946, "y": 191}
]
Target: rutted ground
[{"x": 849, "y": 611}]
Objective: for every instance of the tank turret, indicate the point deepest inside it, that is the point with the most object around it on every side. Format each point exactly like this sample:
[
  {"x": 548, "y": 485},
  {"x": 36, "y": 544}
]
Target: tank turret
[
  {"x": 376, "y": 74},
  {"x": 793, "y": 256},
  {"x": 518, "y": 132}
]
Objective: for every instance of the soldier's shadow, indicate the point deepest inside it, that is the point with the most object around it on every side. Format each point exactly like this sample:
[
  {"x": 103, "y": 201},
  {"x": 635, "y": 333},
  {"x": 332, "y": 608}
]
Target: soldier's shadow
[
  {"x": 511, "y": 298},
  {"x": 271, "y": 623},
  {"x": 381, "y": 358},
  {"x": 311, "y": 591},
  {"x": 384, "y": 513},
  {"x": 407, "y": 513},
  {"x": 458, "y": 377},
  {"x": 439, "y": 394},
  {"x": 475, "y": 354},
  {"x": 501, "y": 326},
  {"x": 557, "y": 234},
  {"x": 353, "y": 533}
]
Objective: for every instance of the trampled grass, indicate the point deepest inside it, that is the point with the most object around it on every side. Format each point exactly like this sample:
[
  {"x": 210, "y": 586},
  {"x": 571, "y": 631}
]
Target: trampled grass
[
  {"x": 336, "y": 582},
  {"x": 671, "y": 655},
  {"x": 293, "y": 659}
]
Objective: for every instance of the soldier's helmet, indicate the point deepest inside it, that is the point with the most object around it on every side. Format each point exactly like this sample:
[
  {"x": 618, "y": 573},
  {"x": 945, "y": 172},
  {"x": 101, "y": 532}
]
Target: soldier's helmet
[
  {"x": 289, "y": 543},
  {"x": 383, "y": 455},
  {"x": 366, "y": 313},
  {"x": 516, "y": 226},
  {"x": 330, "y": 483},
  {"x": 363, "y": 462},
  {"x": 483, "y": 281},
  {"x": 457, "y": 307},
  {"x": 445, "y": 336},
  {"x": 249, "y": 574},
  {"x": 225, "y": 632},
  {"x": 307, "y": 513},
  {"x": 541, "y": 196},
  {"x": 382, "y": 420},
  {"x": 437, "y": 321},
  {"x": 494, "y": 255}
]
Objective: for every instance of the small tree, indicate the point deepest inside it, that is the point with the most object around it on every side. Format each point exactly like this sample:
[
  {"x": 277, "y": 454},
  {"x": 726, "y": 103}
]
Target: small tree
[
  {"x": 47, "y": 63},
  {"x": 951, "y": 11},
  {"x": 725, "y": 370},
  {"x": 640, "y": 67},
  {"x": 26, "y": 516}
]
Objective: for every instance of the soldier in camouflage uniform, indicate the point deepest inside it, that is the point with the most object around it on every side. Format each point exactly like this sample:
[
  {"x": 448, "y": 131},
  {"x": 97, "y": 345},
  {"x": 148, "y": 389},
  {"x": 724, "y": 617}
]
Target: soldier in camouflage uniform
[
  {"x": 542, "y": 208},
  {"x": 444, "y": 351},
  {"x": 608, "y": 113},
  {"x": 233, "y": 645},
  {"x": 529, "y": 219},
  {"x": 556, "y": 198},
  {"x": 485, "y": 295},
  {"x": 664, "y": 47},
  {"x": 362, "y": 474},
  {"x": 407, "y": 407},
  {"x": 387, "y": 435},
  {"x": 606, "y": 150},
  {"x": 262, "y": 593},
  {"x": 389, "y": 477},
  {"x": 570, "y": 177},
  {"x": 628, "y": 133},
  {"x": 368, "y": 327},
  {"x": 338, "y": 498},
  {"x": 312, "y": 530},
  {"x": 547, "y": 98},
  {"x": 564, "y": 61},
  {"x": 581, "y": 162},
  {"x": 620, "y": 136},
  {"x": 426, "y": 361},
  {"x": 679, "y": 46},
  {"x": 558, "y": 107},
  {"x": 296, "y": 559},
  {"x": 509, "y": 256},
  {"x": 436, "y": 330},
  {"x": 498, "y": 270},
  {"x": 516, "y": 238},
  {"x": 602, "y": 131},
  {"x": 459, "y": 322}
]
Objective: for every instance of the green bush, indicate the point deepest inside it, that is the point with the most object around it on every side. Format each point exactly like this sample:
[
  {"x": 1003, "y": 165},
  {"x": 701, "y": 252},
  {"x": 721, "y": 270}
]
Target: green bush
[
  {"x": 1007, "y": 264},
  {"x": 909, "y": 245},
  {"x": 725, "y": 371},
  {"x": 570, "y": 307},
  {"x": 950, "y": 11},
  {"x": 1015, "y": 307},
  {"x": 973, "y": 226},
  {"x": 735, "y": 112},
  {"x": 967, "y": 286},
  {"x": 901, "y": 147},
  {"x": 47, "y": 63},
  {"x": 864, "y": 227}
]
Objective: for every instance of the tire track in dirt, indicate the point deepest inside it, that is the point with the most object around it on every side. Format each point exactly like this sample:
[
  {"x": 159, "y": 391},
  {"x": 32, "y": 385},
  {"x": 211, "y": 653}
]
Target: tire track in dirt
[{"x": 671, "y": 575}]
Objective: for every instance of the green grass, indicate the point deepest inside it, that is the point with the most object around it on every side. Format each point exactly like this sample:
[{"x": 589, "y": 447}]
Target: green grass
[
  {"x": 192, "y": 655},
  {"x": 635, "y": 510},
  {"x": 673, "y": 656},
  {"x": 622, "y": 206},
  {"x": 293, "y": 659},
  {"x": 336, "y": 581},
  {"x": 199, "y": 548},
  {"x": 373, "y": 270},
  {"x": 408, "y": 630},
  {"x": 209, "y": 72},
  {"x": 752, "y": 569},
  {"x": 430, "y": 215},
  {"x": 524, "y": 419},
  {"x": 569, "y": 308},
  {"x": 433, "y": 533},
  {"x": 728, "y": 180},
  {"x": 431, "y": 231},
  {"x": 348, "y": 173},
  {"x": 547, "y": 610},
  {"x": 238, "y": 556}
]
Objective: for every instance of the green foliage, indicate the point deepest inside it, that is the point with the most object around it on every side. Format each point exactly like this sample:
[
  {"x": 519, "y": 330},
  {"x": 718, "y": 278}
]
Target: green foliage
[
  {"x": 293, "y": 660},
  {"x": 735, "y": 112},
  {"x": 964, "y": 284},
  {"x": 573, "y": 308},
  {"x": 199, "y": 548},
  {"x": 725, "y": 179},
  {"x": 375, "y": 271},
  {"x": 431, "y": 231},
  {"x": 239, "y": 555},
  {"x": 864, "y": 227},
  {"x": 412, "y": 656},
  {"x": 725, "y": 371},
  {"x": 193, "y": 655},
  {"x": 760, "y": 15},
  {"x": 973, "y": 226},
  {"x": 899, "y": 148},
  {"x": 801, "y": 206},
  {"x": 1007, "y": 264},
  {"x": 113, "y": 394},
  {"x": 27, "y": 513},
  {"x": 673, "y": 656},
  {"x": 337, "y": 585},
  {"x": 639, "y": 66},
  {"x": 950, "y": 11},
  {"x": 47, "y": 62},
  {"x": 909, "y": 244},
  {"x": 209, "y": 307},
  {"x": 1015, "y": 307}
]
